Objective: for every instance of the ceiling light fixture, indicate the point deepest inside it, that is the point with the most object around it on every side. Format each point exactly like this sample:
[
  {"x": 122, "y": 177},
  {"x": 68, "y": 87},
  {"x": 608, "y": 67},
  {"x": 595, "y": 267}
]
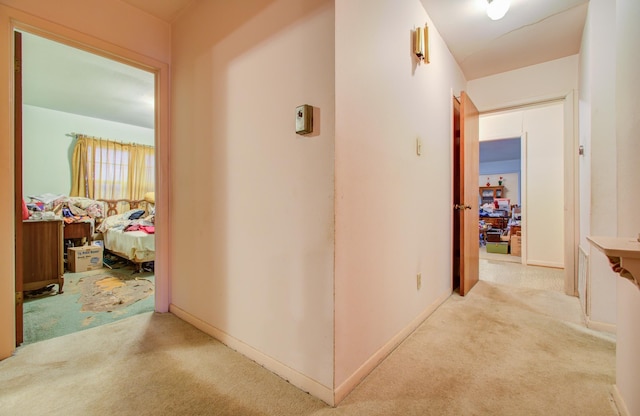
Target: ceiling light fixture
[{"x": 496, "y": 9}]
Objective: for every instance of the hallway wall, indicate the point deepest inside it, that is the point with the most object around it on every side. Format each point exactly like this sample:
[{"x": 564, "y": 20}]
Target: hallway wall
[
  {"x": 628, "y": 176},
  {"x": 393, "y": 207},
  {"x": 597, "y": 169},
  {"x": 253, "y": 202},
  {"x": 548, "y": 80}
]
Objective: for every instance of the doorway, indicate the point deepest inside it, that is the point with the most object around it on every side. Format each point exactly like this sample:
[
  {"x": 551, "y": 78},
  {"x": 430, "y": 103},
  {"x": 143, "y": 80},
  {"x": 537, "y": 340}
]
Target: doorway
[
  {"x": 64, "y": 94},
  {"x": 500, "y": 195},
  {"x": 547, "y": 196}
]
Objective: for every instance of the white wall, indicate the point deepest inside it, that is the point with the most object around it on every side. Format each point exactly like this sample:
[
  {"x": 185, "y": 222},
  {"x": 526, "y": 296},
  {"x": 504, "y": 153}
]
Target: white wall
[
  {"x": 543, "y": 197},
  {"x": 544, "y": 127},
  {"x": 253, "y": 202},
  {"x": 598, "y": 174},
  {"x": 47, "y": 150},
  {"x": 108, "y": 25},
  {"x": 393, "y": 208},
  {"x": 628, "y": 179},
  {"x": 534, "y": 83}
]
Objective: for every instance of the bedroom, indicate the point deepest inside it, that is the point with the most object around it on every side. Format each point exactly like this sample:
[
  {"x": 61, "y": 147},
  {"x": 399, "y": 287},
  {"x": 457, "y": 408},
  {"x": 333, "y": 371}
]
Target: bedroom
[{"x": 65, "y": 92}]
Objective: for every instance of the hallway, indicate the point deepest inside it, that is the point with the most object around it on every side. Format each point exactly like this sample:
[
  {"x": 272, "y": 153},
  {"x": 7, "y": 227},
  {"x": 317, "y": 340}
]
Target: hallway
[{"x": 503, "y": 349}]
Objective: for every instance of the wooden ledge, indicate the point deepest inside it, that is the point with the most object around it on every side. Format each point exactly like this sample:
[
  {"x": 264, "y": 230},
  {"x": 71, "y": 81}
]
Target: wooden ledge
[{"x": 623, "y": 255}]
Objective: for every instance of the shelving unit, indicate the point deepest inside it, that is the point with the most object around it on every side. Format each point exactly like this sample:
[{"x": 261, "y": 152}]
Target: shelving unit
[{"x": 489, "y": 193}]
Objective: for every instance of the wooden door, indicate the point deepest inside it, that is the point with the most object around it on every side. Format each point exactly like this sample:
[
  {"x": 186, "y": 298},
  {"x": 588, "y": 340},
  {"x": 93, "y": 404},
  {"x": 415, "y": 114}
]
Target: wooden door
[
  {"x": 466, "y": 171},
  {"x": 18, "y": 182}
]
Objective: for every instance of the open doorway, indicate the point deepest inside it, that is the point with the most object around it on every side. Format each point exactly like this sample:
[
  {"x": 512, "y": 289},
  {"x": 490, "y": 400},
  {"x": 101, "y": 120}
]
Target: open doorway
[
  {"x": 546, "y": 189},
  {"x": 500, "y": 202},
  {"x": 67, "y": 93},
  {"x": 502, "y": 176}
]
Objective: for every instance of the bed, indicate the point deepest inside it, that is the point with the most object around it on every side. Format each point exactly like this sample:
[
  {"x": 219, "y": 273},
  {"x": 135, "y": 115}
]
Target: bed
[
  {"x": 128, "y": 230},
  {"x": 125, "y": 227}
]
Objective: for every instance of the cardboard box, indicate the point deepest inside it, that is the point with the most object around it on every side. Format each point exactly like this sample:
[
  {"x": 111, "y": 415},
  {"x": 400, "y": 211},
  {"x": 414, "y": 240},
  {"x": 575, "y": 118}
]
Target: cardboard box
[
  {"x": 502, "y": 248},
  {"x": 81, "y": 259},
  {"x": 516, "y": 245}
]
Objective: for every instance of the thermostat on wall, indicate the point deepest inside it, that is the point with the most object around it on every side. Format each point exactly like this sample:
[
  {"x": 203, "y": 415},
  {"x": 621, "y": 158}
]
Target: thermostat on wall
[{"x": 304, "y": 119}]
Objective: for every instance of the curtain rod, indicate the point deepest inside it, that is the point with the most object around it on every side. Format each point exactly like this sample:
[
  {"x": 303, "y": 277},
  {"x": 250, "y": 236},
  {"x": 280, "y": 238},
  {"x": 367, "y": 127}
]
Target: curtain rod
[{"x": 75, "y": 136}]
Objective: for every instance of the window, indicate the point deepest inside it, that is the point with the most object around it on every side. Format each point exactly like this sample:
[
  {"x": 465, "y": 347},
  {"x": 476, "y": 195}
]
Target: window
[{"x": 106, "y": 169}]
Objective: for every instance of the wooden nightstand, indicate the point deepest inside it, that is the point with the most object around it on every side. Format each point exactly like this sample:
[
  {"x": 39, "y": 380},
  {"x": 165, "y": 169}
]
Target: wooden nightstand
[
  {"x": 43, "y": 261},
  {"x": 78, "y": 231}
]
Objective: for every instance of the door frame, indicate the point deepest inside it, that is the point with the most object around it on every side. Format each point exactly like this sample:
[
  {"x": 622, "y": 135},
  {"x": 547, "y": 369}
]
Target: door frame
[
  {"x": 18, "y": 186},
  {"x": 14, "y": 20},
  {"x": 571, "y": 187}
]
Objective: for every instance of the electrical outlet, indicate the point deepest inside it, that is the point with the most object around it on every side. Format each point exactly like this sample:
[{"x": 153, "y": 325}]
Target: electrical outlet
[{"x": 419, "y": 281}]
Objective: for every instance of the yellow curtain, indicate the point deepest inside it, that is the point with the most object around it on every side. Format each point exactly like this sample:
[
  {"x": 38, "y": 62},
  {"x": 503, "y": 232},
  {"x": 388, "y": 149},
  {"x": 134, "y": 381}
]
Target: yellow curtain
[{"x": 106, "y": 169}]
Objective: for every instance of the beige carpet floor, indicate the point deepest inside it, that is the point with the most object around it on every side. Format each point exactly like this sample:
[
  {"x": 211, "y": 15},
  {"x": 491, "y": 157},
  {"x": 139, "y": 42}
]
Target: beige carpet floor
[
  {"x": 518, "y": 275},
  {"x": 499, "y": 351}
]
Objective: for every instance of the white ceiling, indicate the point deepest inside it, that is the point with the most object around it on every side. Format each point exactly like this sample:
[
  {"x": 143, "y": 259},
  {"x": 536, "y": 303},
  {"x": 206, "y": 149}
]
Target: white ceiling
[
  {"x": 67, "y": 79},
  {"x": 533, "y": 31}
]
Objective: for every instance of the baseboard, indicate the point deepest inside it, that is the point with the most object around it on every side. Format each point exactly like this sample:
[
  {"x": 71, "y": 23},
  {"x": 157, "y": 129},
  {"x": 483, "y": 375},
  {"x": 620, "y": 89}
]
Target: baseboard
[
  {"x": 619, "y": 401},
  {"x": 352, "y": 381},
  {"x": 544, "y": 264},
  {"x": 600, "y": 326},
  {"x": 294, "y": 377}
]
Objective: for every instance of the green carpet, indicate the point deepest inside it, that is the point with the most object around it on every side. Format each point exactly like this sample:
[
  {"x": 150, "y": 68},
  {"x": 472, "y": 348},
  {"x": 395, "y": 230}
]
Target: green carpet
[{"x": 90, "y": 299}]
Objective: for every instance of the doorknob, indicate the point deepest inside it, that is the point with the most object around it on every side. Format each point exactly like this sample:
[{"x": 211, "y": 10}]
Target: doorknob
[{"x": 461, "y": 207}]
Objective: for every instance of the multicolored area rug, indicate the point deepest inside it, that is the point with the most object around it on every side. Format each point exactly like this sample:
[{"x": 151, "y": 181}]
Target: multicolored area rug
[
  {"x": 111, "y": 291},
  {"x": 90, "y": 299}
]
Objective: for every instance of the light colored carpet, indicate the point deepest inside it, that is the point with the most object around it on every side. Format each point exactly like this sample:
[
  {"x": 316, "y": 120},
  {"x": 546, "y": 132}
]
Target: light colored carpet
[
  {"x": 499, "y": 351},
  {"x": 518, "y": 275}
]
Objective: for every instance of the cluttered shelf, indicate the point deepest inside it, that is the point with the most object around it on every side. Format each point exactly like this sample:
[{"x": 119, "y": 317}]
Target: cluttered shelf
[
  {"x": 489, "y": 194},
  {"x": 500, "y": 227}
]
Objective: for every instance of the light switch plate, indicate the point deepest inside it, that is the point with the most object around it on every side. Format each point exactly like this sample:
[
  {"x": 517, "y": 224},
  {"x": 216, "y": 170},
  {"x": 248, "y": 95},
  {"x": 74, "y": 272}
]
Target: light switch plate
[{"x": 304, "y": 119}]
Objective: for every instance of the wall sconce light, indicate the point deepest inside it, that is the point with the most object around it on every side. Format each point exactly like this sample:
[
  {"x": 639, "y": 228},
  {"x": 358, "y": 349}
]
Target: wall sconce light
[
  {"x": 496, "y": 9},
  {"x": 421, "y": 43}
]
